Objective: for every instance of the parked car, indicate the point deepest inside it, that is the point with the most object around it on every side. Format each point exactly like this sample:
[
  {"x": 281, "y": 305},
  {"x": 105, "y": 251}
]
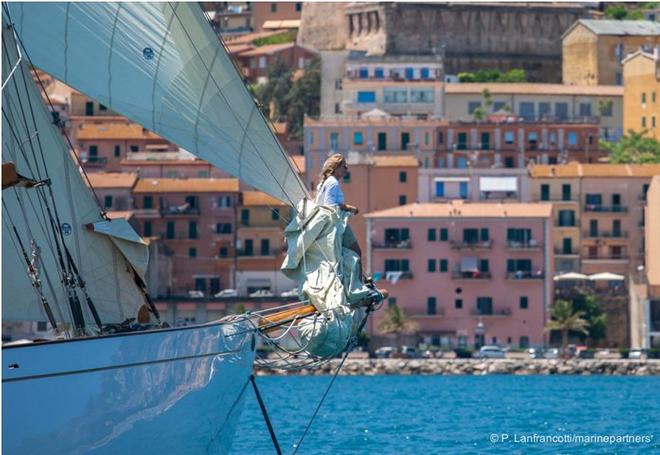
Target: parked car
[
  {"x": 290, "y": 293},
  {"x": 432, "y": 354},
  {"x": 385, "y": 352},
  {"x": 261, "y": 293},
  {"x": 552, "y": 353},
  {"x": 226, "y": 293},
  {"x": 196, "y": 294},
  {"x": 535, "y": 353},
  {"x": 490, "y": 352},
  {"x": 636, "y": 354},
  {"x": 409, "y": 352}
]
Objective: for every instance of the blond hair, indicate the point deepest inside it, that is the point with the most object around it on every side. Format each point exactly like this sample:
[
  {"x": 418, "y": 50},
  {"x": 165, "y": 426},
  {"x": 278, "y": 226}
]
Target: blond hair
[{"x": 333, "y": 163}]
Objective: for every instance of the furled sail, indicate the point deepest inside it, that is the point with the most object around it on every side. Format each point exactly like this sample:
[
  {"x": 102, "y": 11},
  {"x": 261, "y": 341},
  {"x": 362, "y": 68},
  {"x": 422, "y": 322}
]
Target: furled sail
[
  {"x": 162, "y": 66},
  {"x": 31, "y": 218}
]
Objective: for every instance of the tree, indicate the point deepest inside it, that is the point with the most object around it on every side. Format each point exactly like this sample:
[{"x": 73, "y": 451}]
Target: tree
[
  {"x": 565, "y": 320},
  {"x": 514, "y": 75},
  {"x": 588, "y": 304},
  {"x": 396, "y": 321},
  {"x": 479, "y": 114},
  {"x": 488, "y": 99},
  {"x": 633, "y": 148},
  {"x": 605, "y": 106},
  {"x": 275, "y": 93},
  {"x": 304, "y": 98},
  {"x": 617, "y": 12}
]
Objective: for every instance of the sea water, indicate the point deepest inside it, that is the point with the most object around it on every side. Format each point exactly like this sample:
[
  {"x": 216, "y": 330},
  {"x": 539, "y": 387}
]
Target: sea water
[{"x": 455, "y": 414}]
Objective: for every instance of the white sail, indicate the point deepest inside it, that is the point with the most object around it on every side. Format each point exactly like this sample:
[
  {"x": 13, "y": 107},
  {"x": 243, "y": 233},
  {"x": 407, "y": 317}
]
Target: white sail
[
  {"x": 162, "y": 66},
  {"x": 36, "y": 146}
]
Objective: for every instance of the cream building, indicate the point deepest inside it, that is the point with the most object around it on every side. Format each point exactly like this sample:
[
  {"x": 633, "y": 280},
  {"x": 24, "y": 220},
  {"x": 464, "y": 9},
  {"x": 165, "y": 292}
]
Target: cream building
[{"x": 641, "y": 106}]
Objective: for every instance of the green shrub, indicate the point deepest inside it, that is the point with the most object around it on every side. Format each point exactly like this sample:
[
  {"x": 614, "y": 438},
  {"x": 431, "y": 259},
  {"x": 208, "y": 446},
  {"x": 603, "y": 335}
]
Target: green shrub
[{"x": 463, "y": 353}]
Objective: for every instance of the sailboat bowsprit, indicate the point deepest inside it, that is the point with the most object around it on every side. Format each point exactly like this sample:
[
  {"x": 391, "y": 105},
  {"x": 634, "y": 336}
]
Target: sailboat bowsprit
[{"x": 113, "y": 385}]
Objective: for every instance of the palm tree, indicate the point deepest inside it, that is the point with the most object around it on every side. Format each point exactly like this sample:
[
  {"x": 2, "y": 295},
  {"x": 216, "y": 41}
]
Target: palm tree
[
  {"x": 396, "y": 321},
  {"x": 566, "y": 320}
]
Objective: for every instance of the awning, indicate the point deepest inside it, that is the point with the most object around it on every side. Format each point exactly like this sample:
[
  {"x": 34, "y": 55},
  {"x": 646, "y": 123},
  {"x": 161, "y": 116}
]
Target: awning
[
  {"x": 606, "y": 276},
  {"x": 498, "y": 184},
  {"x": 469, "y": 264},
  {"x": 570, "y": 276},
  {"x": 451, "y": 179}
]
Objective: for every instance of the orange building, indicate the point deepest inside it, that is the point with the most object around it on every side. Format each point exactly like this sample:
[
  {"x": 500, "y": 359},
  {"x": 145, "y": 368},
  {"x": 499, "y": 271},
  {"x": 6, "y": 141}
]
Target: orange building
[
  {"x": 641, "y": 90},
  {"x": 255, "y": 61},
  {"x": 114, "y": 189},
  {"x": 270, "y": 15}
]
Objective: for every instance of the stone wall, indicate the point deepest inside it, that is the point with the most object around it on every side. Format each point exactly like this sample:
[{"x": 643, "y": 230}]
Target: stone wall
[
  {"x": 372, "y": 367},
  {"x": 323, "y": 26}
]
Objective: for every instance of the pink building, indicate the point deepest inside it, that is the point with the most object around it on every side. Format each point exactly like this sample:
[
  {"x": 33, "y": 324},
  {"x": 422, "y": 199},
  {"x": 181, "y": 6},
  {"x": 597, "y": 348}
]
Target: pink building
[
  {"x": 170, "y": 165},
  {"x": 114, "y": 189},
  {"x": 255, "y": 61},
  {"x": 466, "y": 273},
  {"x": 195, "y": 218}
]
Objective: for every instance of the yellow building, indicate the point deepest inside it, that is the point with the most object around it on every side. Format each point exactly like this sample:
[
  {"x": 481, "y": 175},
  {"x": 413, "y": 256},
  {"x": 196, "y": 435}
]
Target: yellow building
[
  {"x": 641, "y": 106},
  {"x": 592, "y": 50}
]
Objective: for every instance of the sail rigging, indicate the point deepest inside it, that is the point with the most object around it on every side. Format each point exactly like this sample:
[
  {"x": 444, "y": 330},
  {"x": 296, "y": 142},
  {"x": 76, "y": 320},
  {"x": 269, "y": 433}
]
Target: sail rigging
[
  {"x": 162, "y": 66},
  {"x": 81, "y": 275}
]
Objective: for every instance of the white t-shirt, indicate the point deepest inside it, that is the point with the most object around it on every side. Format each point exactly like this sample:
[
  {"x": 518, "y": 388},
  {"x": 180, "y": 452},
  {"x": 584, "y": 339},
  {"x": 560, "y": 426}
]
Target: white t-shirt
[{"x": 329, "y": 193}]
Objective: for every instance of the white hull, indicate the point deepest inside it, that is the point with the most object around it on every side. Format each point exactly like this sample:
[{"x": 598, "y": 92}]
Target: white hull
[{"x": 165, "y": 391}]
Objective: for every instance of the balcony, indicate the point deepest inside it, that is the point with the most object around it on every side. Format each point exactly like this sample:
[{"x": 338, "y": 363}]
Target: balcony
[
  {"x": 564, "y": 252},
  {"x": 519, "y": 275},
  {"x": 606, "y": 257},
  {"x": 476, "y": 245},
  {"x": 492, "y": 312},
  {"x": 94, "y": 160},
  {"x": 605, "y": 208},
  {"x": 395, "y": 275},
  {"x": 400, "y": 245},
  {"x": 528, "y": 245},
  {"x": 180, "y": 236},
  {"x": 179, "y": 210},
  {"x": 243, "y": 254},
  {"x": 476, "y": 275},
  {"x": 555, "y": 198},
  {"x": 146, "y": 213},
  {"x": 565, "y": 224},
  {"x": 605, "y": 234}
]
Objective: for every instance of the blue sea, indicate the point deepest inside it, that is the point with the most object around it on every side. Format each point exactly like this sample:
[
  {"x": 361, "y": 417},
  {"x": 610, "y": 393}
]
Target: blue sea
[{"x": 456, "y": 414}]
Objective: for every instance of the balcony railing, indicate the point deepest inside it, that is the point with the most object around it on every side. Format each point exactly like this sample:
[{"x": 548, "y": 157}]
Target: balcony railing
[
  {"x": 97, "y": 160},
  {"x": 605, "y": 208},
  {"x": 180, "y": 236},
  {"x": 179, "y": 210},
  {"x": 390, "y": 275},
  {"x": 565, "y": 224},
  {"x": 528, "y": 245},
  {"x": 555, "y": 198},
  {"x": 605, "y": 234},
  {"x": 476, "y": 275},
  {"x": 146, "y": 213},
  {"x": 525, "y": 275},
  {"x": 471, "y": 245},
  {"x": 257, "y": 253},
  {"x": 565, "y": 252},
  {"x": 400, "y": 245},
  {"x": 439, "y": 312},
  {"x": 494, "y": 312},
  {"x": 606, "y": 257}
]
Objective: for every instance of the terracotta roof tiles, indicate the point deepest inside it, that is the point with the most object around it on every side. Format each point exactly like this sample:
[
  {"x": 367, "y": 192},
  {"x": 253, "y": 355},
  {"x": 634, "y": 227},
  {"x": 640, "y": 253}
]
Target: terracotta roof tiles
[
  {"x": 91, "y": 131},
  {"x": 112, "y": 179}
]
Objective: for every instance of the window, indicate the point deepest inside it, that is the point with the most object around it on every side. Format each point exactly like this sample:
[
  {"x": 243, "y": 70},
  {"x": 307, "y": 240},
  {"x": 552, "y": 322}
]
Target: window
[
  {"x": 89, "y": 108},
  {"x": 616, "y": 228},
  {"x": 572, "y": 138},
  {"x": 391, "y": 302},
  {"x": 148, "y": 229},
  {"x": 508, "y": 137},
  {"x": 358, "y": 139},
  {"x": 338, "y": 84},
  {"x": 223, "y": 252},
  {"x": 439, "y": 189},
  {"x": 526, "y": 110},
  {"x": 223, "y": 228},
  {"x": 463, "y": 190},
  {"x": 485, "y": 305},
  {"x": 566, "y": 218},
  {"x": 395, "y": 96},
  {"x": 275, "y": 214},
  {"x": 403, "y": 176},
  {"x": 643, "y": 122},
  {"x": 224, "y": 202},
  {"x": 107, "y": 202},
  {"x": 498, "y": 106},
  {"x": 298, "y": 7},
  {"x": 134, "y": 148},
  {"x": 347, "y": 177},
  {"x": 93, "y": 151},
  {"x": 363, "y": 73},
  {"x": 473, "y": 106},
  {"x": 42, "y": 326},
  {"x": 265, "y": 247},
  {"x": 203, "y": 174},
  {"x": 424, "y": 72},
  {"x": 643, "y": 98},
  {"x": 606, "y": 110},
  {"x": 431, "y": 304},
  {"x": 618, "y": 79},
  {"x": 653, "y": 97},
  {"x": 397, "y": 265},
  {"x": 653, "y": 121},
  {"x": 410, "y": 73},
  {"x": 379, "y": 73},
  {"x": 273, "y": 7},
  {"x": 593, "y": 199},
  {"x": 382, "y": 141},
  {"x": 444, "y": 265},
  {"x": 462, "y": 141},
  {"x": 519, "y": 235},
  {"x": 524, "y": 303},
  {"x": 561, "y": 111},
  {"x": 458, "y": 304},
  {"x": 518, "y": 265},
  {"x": 192, "y": 229},
  {"x": 405, "y": 140},
  {"x": 585, "y": 109},
  {"x": 524, "y": 342},
  {"x": 533, "y": 138},
  {"x": 334, "y": 141},
  {"x": 367, "y": 97},
  {"x": 444, "y": 234},
  {"x": 508, "y": 162},
  {"x": 117, "y": 150},
  {"x": 545, "y": 192},
  {"x": 192, "y": 252},
  {"x": 430, "y": 235},
  {"x": 394, "y": 236},
  {"x": 431, "y": 265},
  {"x": 426, "y": 138},
  {"x": 248, "y": 248},
  {"x": 403, "y": 200},
  {"x": 170, "y": 234},
  {"x": 484, "y": 265},
  {"x": 148, "y": 202},
  {"x": 245, "y": 217},
  {"x": 421, "y": 96},
  {"x": 618, "y": 51},
  {"x": 552, "y": 138},
  {"x": 544, "y": 109},
  {"x": 566, "y": 192}
]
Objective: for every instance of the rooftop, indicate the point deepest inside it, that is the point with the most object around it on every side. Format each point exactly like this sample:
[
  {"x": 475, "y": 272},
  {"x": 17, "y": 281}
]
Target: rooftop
[
  {"x": 460, "y": 209},
  {"x": 112, "y": 179},
  {"x": 618, "y": 28},
  {"x": 267, "y": 50},
  {"x": 123, "y": 130},
  {"x": 250, "y": 37},
  {"x": 258, "y": 198},
  {"x": 115, "y": 214},
  {"x": 640, "y": 53},
  {"x": 573, "y": 170},
  {"x": 534, "y": 89},
  {"x": 281, "y": 24},
  {"x": 186, "y": 186}
]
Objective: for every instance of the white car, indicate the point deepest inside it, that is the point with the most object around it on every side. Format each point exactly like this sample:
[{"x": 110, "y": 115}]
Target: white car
[
  {"x": 196, "y": 294},
  {"x": 490, "y": 352},
  {"x": 291, "y": 293},
  {"x": 552, "y": 353},
  {"x": 225, "y": 293},
  {"x": 261, "y": 293}
]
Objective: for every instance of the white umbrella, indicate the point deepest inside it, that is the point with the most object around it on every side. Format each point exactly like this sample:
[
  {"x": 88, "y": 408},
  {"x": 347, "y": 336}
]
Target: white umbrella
[
  {"x": 570, "y": 276},
  {"x": 606, "y": 276}
]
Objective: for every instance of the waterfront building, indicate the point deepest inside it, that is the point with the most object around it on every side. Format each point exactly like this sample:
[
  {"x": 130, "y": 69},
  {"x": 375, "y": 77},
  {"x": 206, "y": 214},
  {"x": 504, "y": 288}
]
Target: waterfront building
[
  {"x": 171, "y": 165},
  {"x": 114, "y": 189},
  {"x": 276, "y": 15},
  {"x": 641, "y": 93},
  {"x": 195, "y": 218},
  {"x": 466, "y": 273},
  {"x": 598, "y": 214},
  {"x": 255, "y": 61},
  {"x": 592, "y": 50}
]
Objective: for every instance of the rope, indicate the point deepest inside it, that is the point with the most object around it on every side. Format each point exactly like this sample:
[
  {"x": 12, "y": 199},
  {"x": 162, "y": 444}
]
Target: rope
[{"x": 264, "y": 412}]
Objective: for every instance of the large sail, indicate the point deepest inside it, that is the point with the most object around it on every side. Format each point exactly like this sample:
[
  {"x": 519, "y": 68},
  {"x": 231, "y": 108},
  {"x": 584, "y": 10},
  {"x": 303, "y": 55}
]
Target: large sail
[
  {"x": 31, "y": 217},
  {"x": 162, "y": 66}
]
